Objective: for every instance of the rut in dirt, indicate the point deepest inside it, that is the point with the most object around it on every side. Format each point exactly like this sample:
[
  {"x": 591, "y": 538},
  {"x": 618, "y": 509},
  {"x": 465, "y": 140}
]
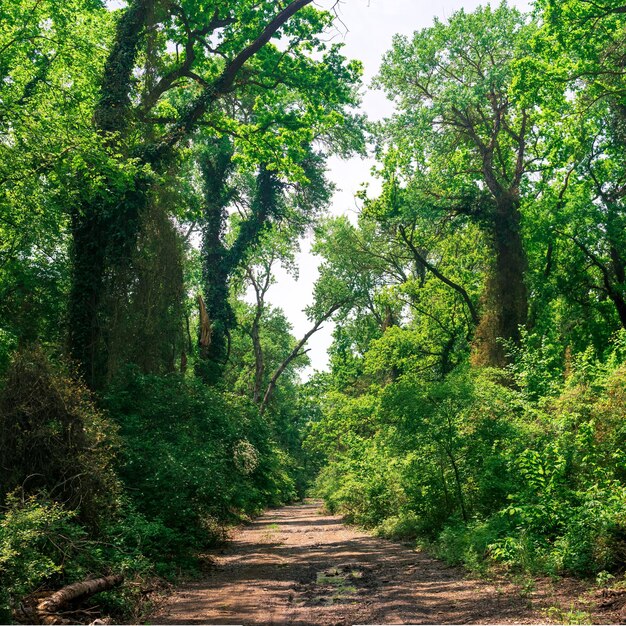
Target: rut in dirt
[{"x": 299, "y": 567}]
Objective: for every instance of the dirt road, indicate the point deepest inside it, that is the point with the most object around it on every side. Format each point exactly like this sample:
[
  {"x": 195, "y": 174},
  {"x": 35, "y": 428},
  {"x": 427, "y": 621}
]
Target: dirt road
[{"x": 295, "y": 566}]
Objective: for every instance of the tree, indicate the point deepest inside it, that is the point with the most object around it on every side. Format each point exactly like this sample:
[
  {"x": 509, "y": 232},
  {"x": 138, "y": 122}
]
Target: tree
[
  {"x": 49, "y": 57},
  {"x": 580, "y": 50},
  {"x": 142, "y": 122},
  {"x": 403, "y": 298},
  {"x": 463, "y": 145},
  {"x": 278, "y": 246}
]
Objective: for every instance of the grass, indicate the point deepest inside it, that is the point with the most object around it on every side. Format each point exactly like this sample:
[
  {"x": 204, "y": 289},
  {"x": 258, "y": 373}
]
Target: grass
[{"x": 572, "y": 616}]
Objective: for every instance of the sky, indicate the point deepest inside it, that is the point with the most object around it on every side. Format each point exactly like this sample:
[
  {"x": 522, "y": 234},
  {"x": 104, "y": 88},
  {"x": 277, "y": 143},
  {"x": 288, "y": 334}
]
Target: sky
[{"x": 366, "y": 28}]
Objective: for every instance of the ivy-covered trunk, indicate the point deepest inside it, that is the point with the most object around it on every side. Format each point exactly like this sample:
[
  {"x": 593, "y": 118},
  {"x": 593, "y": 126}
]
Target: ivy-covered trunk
[
  {"x": 213, "y": 353},
  {"x": 505, "y": 303},
  {"x": 87, "y": 285},
  {"x": 105, "y": 224},
  {"x": 219, "y": 262}
]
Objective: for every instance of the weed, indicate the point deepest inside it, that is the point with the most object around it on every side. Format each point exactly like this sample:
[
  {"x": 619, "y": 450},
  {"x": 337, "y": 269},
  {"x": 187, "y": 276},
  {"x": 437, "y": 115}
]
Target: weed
[{"x": 573, "y": 616}]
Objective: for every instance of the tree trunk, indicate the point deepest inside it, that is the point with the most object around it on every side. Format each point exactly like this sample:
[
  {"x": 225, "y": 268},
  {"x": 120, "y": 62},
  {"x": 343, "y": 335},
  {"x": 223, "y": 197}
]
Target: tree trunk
[
  {"x": 216, "y": 166},
  {"x": 505, "y": 303},
  {"x": 294, "y": 354},
  {"x": 49, "y": 610},
  {"x": 95, "y": 220},
  {"x": 64, "y": 596},
  {"x": 215, "y": 286},
  {"x": 219, "y": 262},
  {"x": 259, "y": 366}
]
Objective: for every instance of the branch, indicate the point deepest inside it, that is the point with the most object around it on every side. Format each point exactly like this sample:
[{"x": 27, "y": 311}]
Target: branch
[
  {"x": 296, "y": 352},
  {"x": 606, "y": 10},
  {"x": 250, "y": 229},
  {"x": 614, "y": 295},
  {"x": 184, "y": 70},
  {"x": 519, "y": 165},
  {"x": 429, "y": 266},
  {"x": 226, "y": 80}
]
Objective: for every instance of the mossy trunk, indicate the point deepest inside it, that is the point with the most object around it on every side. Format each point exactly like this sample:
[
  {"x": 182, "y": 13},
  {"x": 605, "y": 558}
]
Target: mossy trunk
[
  {"x": 219, "y": 262},
  {"x": 505, "y": 302},
  {"x": 106, "y": 223}
]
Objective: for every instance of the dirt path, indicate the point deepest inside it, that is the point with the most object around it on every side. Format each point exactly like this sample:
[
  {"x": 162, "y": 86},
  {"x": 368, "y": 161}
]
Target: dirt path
[{"x": 297, "y": 567}]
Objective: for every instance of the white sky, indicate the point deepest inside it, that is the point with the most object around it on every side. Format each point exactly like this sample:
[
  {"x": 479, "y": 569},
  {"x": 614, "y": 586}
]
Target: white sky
[{"x": 370, "y": 26}]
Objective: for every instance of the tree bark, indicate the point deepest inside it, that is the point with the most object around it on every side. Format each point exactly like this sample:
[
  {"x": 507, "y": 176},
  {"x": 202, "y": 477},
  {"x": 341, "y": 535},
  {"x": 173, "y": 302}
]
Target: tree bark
[{"x": 505, "y": 302}]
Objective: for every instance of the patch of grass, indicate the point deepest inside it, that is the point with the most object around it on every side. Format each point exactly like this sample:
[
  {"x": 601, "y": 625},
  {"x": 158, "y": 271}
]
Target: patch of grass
[
  {"x": 340, "y": 579},
  {"x": 572, "y": 616}
]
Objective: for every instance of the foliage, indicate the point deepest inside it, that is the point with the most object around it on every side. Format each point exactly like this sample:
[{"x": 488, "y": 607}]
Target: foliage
[
  {"x": 54, "y": 438},
  {"x": 43, "y": 544},
  {"x": 486, "y": 473},
  {"x": 46, "y": 49},
  {"x": 29, "y": 535},
  {"x": 156, "y": 152},
  {"x": 458, "y": 149},
  {"x": 497, "y": 114},
  {"x": 193, "y": 456}
]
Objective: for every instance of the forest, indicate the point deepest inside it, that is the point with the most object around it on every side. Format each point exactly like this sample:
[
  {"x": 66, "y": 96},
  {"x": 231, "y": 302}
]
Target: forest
[{"x": 161, "y": 163}]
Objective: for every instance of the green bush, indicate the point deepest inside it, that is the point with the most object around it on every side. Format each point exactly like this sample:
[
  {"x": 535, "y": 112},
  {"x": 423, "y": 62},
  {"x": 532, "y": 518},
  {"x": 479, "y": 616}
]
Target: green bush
[
  {"x": 404, "y": 526},
  {"x": 486, "y": 472},
  {"x": 190, "y": 460},
  {"x": 35, "y": 539},
  {"x": 53, "y": 438},
  {"x": 43, "y": 544},
  {"x": 194, "y": 457}
]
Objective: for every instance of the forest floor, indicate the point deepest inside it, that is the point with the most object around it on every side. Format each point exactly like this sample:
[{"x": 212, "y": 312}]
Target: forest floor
[{"x": 297, "y": 566}]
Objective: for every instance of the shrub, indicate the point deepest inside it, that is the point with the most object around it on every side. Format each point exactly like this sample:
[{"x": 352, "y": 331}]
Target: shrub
[
  {"x": 404, "y": 526},
  {"x": 43, "y": 544},
  {"x": 53, "y": 438},
  {"x": 35, "y": 539},
  {"x": 194, "y": 455},
  {"x": 486, "y": 472}
]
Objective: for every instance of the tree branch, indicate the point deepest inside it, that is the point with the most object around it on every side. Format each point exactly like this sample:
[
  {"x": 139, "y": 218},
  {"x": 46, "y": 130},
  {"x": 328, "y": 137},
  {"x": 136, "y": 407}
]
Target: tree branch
[
  {"x": 430, "y": 267},
  {"x": 296, "y": 352},
  {"x": 226, "y": 80}
]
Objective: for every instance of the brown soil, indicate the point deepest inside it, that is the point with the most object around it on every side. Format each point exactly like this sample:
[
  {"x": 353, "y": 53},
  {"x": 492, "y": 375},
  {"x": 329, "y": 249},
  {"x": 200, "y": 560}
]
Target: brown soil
[{"x": 299, "y": 567}]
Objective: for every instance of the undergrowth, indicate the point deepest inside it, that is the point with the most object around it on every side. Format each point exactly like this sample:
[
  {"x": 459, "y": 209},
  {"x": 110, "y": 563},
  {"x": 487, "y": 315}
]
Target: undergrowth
[
  {"x": 136, "y": 484},
  {"x": 489, "y": 473}
]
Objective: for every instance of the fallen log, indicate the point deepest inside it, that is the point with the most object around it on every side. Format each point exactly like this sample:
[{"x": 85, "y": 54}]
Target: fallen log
[
  {"x": 47, "y": 611},
  {"x": 64, "y": 596}
]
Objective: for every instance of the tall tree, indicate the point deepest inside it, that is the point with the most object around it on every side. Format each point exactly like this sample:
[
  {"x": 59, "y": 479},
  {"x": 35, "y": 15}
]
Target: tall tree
[
  {"x": 50, "y": 56},
  {"x": 225, "y": 51},
  {"x": 579, "y": 52},
  {"x": 463, "y": 145}
]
